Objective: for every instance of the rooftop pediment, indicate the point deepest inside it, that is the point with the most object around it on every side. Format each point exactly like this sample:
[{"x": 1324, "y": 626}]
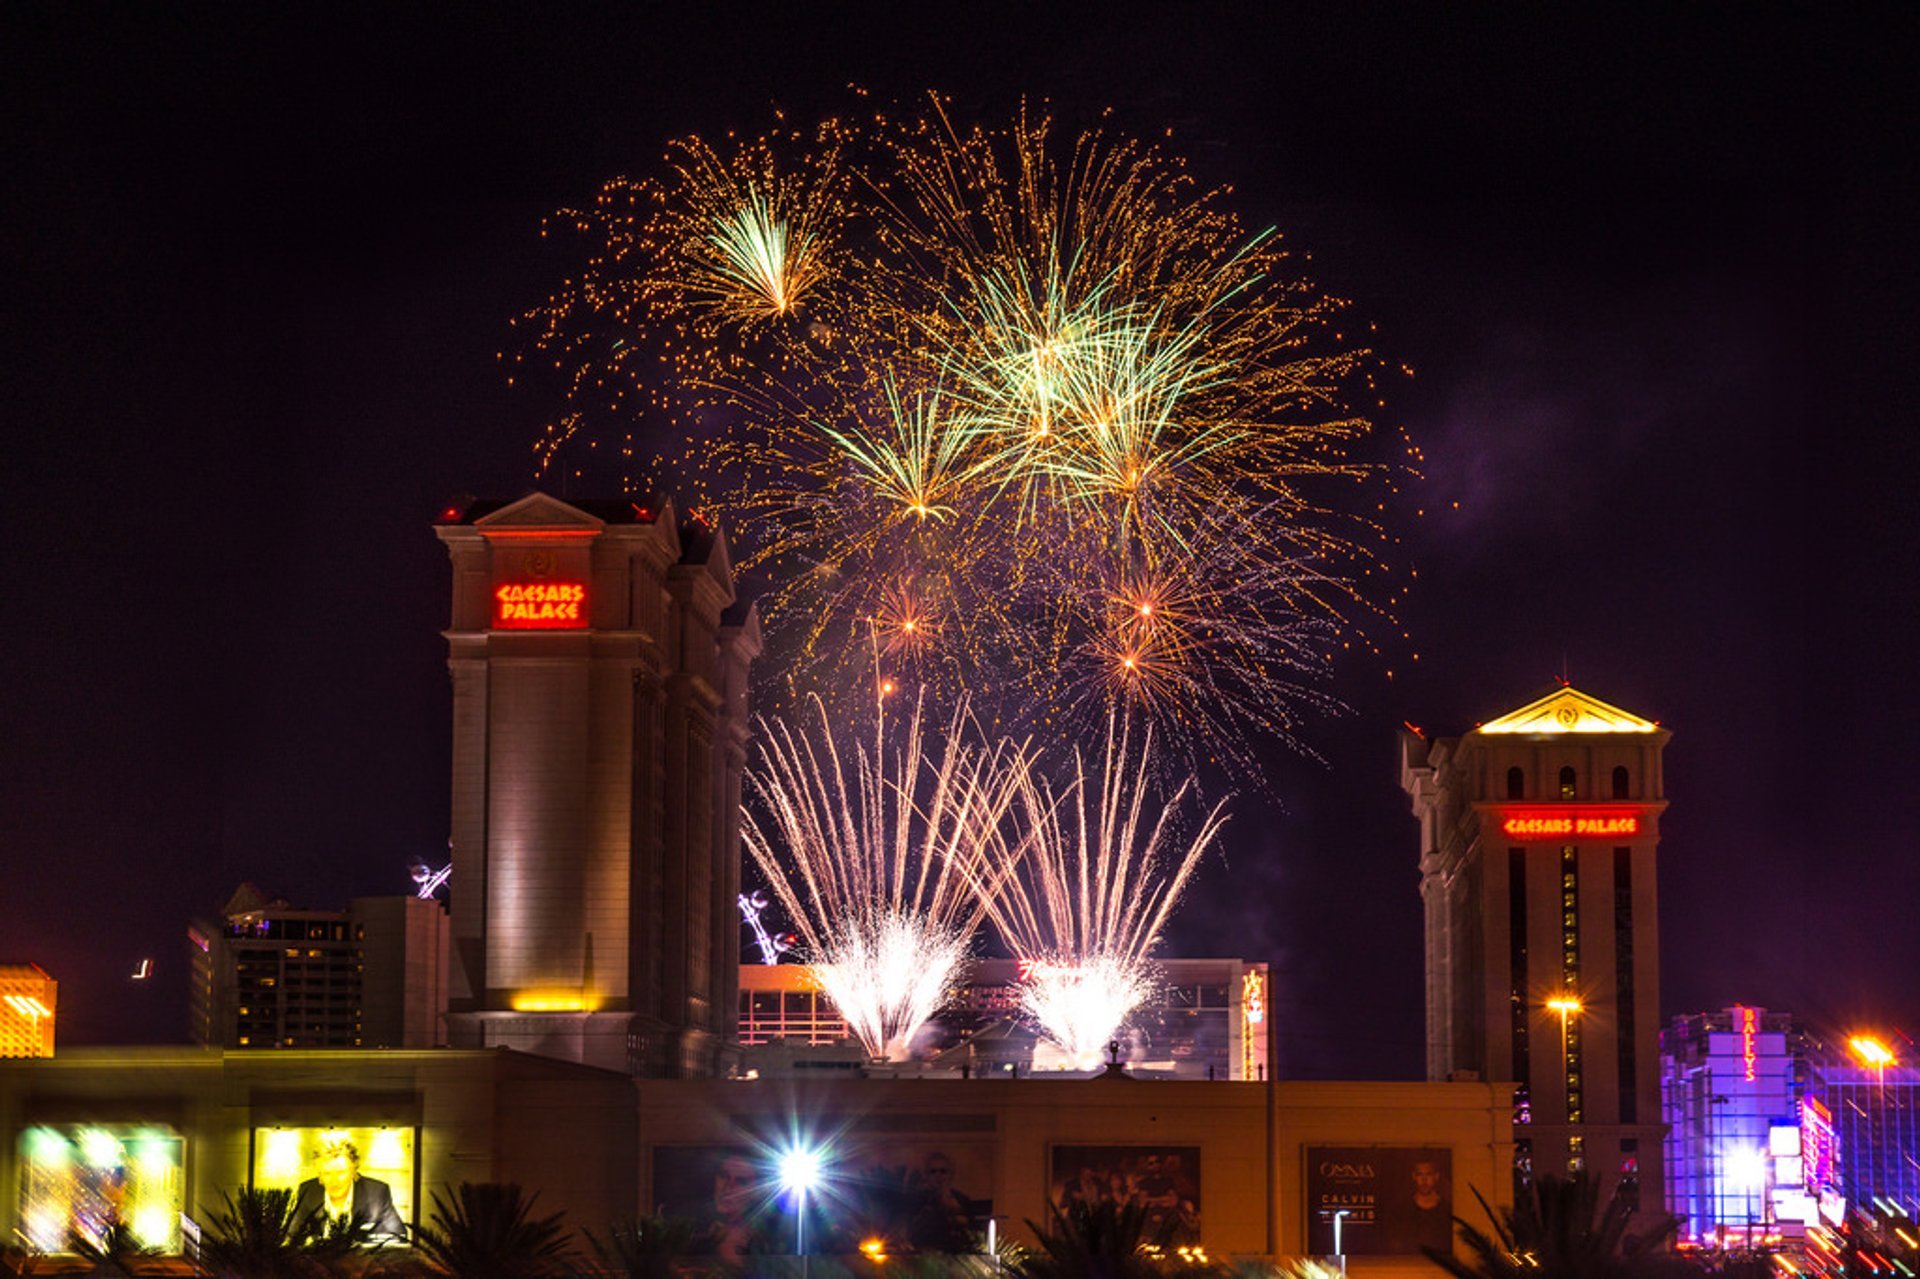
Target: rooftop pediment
[
  {"x": 539, "y": 513},
  {"x": 1568, "y": 710}
]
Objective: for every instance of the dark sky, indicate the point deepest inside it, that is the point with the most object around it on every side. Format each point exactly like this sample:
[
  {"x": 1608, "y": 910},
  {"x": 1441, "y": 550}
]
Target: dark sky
[{"x": 1655, "y": 270}]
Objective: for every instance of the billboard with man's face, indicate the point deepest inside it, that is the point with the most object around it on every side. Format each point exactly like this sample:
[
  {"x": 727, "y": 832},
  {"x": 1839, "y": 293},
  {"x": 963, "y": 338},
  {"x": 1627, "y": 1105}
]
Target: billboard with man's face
[
  {"x": 360, "y": 1178},
  {"x": 1392, "y": 1200}
]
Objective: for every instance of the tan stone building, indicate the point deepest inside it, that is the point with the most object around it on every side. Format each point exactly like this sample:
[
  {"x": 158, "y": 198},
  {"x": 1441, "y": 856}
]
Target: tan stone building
[
  {"x": 155, "y": 1137},
  {"x": 599, "y": 659},
  {"x": 1538, "y": 839}
]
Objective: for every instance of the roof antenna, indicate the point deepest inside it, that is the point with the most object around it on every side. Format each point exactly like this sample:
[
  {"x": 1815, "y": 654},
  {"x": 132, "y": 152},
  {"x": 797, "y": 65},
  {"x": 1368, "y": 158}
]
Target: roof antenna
[{"x": 1565, "y": 676}]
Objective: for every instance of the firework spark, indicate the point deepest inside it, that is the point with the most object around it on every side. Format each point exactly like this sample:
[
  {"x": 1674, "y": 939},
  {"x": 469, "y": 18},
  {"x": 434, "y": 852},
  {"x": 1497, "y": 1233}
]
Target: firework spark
[
  {"x": 876, "y": 860},
  {"x": 1082, "y": 891}
]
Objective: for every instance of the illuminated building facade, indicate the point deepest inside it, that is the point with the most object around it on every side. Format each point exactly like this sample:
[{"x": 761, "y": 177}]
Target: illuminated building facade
[
  {"x": 1731, "y": 1094},
  {"x": 29, "y": 997},
  {"x": 152, "y": 1138},
  {"x": 1205, "y": 1020},
  {"x": 599, "y": 659},
  {"x": 268, "y": 974},
  {"x": 1538, "y": 834},
  {"x": 1873, "y": 1113}
]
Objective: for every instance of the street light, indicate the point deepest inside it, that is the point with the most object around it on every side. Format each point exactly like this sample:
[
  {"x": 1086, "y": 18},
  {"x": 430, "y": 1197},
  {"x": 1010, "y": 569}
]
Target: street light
[
  {"x": 1567, "y": 1004},
  {"x": 1873, "y": 1051},
  {"x": 800, "y": 1172},
  {"x": 1339, "y": 1216}
]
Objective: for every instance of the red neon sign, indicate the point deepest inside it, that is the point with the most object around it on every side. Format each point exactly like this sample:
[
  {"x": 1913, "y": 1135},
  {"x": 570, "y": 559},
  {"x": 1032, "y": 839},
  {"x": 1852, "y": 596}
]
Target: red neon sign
[
  {"x": 540, "y": 606},
  {"x": 1569, "y": 823},
  {"x": 1749, "y": 1027}
]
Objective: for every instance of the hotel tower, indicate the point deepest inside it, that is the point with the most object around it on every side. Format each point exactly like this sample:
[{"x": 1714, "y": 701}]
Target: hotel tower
[
  {"x": 1538, "y": 835},
  {"x": 599, "y": 658}
]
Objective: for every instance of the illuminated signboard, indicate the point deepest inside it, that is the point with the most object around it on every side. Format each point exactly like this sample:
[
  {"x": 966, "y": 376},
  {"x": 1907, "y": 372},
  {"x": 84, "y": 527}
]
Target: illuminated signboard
[
  {"x": 1749, "y": 1029},
  {"x": 78, "y": 1182},
  {"x": 364, "y": 1174},
  {"x": 1817, "y": 1145},
  {"x": 540, "y": 606},
  {"x": 1569, "y": 823}
]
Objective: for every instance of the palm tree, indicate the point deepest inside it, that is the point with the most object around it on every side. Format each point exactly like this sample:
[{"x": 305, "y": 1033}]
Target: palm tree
[
  {"x": 255, "y": 1235},
  {"x": 1106, "y": 1240},
  {"x": 488, "y": 1231},
  {"x": 1558, "y": 1229},
  {"x": 645, "y": 1248}
]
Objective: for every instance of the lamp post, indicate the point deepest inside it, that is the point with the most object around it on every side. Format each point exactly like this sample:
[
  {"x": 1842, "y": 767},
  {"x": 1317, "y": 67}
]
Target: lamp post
[
  {"x": 1568, "y": 1005},
  {"x": 799, "y": 1173},
  {"x": 1339, "y": 1250},
  {"x": 1873, "y": 1051}
]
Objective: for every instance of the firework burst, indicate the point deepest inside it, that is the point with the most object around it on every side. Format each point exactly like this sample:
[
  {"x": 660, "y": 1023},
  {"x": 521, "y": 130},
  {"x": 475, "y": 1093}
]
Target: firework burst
[
  {"x": 876, "y": 860},
  {"x": 988, "y": 380},
  {"x": 1085, "y": 886}
]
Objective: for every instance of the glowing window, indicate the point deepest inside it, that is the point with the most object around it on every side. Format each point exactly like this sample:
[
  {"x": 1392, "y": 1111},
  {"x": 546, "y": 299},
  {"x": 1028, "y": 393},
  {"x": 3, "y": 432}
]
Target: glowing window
[{"x": 1567, "y": 786}]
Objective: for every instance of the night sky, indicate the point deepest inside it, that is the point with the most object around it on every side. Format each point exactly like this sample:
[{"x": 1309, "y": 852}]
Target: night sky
[{"x": 1655, "y": 270}]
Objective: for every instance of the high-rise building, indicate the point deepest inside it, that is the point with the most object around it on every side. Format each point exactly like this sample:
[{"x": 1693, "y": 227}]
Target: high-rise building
[
  {"x": 1731, "y": 1094},
  {"x": 1869, "y": 1101},
  {"x": 29, "y": 998},
  {"x": 1538, "y": 834},
  {"x": 269, "y": 974},
  {"x": 599, "y": 657}
]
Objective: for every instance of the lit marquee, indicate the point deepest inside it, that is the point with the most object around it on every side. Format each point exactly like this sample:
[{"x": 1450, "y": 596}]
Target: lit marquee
[
  {"x": 1570, "y": 823},
  {"x": 540, "y": 606},
  {"x": 1567, "y": 710}
]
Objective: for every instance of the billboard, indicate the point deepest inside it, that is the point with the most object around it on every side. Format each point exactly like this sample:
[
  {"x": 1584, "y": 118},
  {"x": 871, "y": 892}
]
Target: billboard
[
  {"x": 907, "y": 1192},
  {"x": 1164, "y": 1179},
  {"x": 364, "y": 1174},
  {"x": 83, "y": 1182},
  {"x": 1397, "y": 1200}
]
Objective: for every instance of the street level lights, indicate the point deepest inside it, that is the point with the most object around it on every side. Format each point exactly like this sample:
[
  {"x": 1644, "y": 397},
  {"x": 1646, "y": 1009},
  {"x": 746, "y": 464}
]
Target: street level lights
[
  {"x": 1339, "y": 1219},
  {"x": 799, "y": 1173}
]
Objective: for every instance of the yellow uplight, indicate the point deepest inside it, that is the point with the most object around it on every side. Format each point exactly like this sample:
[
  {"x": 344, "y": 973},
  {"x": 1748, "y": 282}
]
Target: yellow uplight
[
  {"x": 875, "y": 1249},
  {"x": 553, "y": 1001}
]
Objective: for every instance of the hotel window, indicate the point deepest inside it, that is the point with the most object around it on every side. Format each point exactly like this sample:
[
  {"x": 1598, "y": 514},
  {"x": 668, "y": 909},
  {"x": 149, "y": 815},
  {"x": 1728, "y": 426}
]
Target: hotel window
[
  {"x": 1516, "y": 783},
  {"x": 1566, "y": 783},
  {"x": 1620, "y": 781}
]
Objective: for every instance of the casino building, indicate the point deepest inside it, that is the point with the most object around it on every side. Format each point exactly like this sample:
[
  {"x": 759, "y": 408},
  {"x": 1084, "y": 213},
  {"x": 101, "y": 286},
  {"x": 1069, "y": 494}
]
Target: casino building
[
  {"x": 1538, "y": 837},
  {"x": 599, "y": 658}
]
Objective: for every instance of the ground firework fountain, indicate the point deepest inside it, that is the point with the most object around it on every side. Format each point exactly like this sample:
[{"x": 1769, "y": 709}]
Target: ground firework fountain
[
  {"x": 1084, "y": 883},
  {"x": 876, "y": 858}
]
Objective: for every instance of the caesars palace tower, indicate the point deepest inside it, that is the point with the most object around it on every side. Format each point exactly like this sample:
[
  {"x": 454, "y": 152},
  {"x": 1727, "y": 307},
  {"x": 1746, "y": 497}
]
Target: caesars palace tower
[
  {"x": 1538, "y": 835},
  {"x": 599, "y": 658}
]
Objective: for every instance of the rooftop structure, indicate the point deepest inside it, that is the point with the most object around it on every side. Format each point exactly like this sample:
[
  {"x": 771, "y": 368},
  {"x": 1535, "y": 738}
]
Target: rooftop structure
[
  {"x": 29, "y": 997},
  {"x": 1207, "y": 1020}
]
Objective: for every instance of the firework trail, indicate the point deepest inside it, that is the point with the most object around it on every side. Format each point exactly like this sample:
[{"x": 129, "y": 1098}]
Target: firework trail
[
  {"x": 876, "y": 859},
  {"x": 1036, "y": 411},
  {"x": 1084, "y": 883}
]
